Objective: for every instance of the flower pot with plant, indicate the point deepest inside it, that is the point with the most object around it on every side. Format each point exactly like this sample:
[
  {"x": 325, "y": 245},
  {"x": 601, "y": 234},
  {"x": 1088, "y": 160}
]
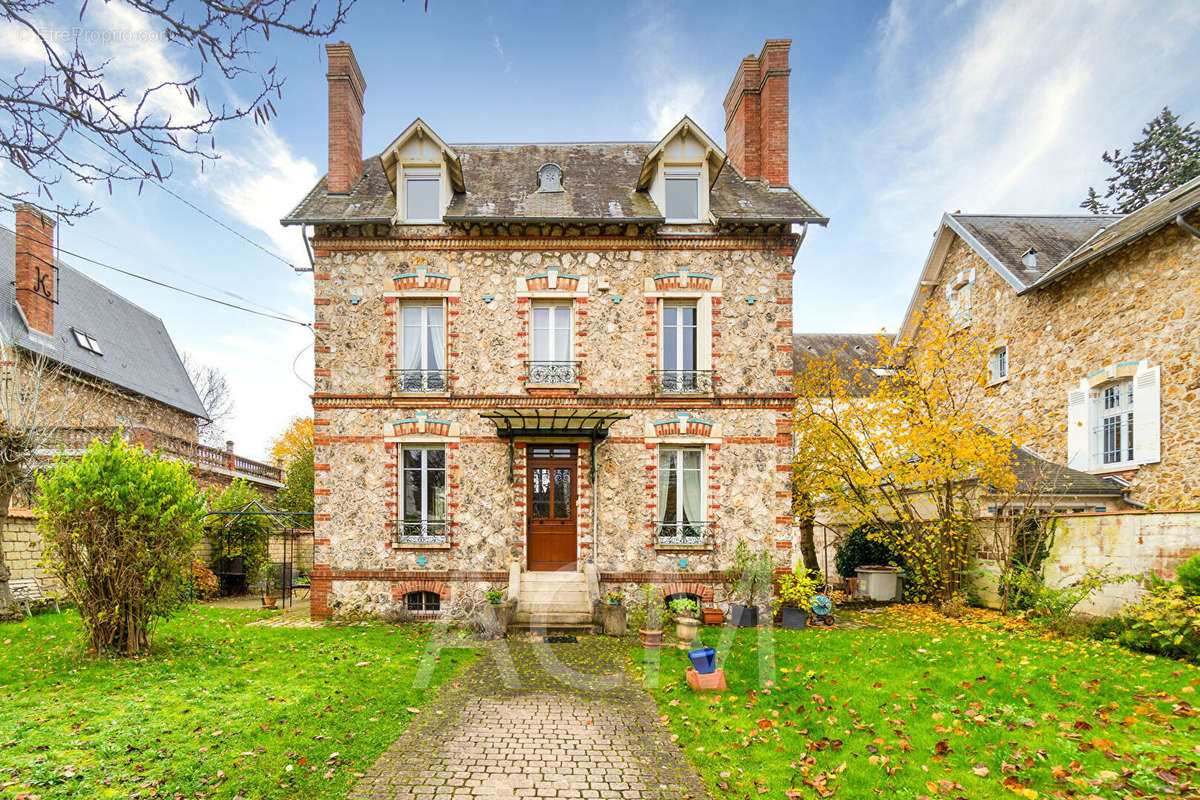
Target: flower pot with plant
[
  {"x": 687, "y": 619},
  {"x": 650, "y": 618},
  {"x": 268, "y": 575},
  {"x": 615, "y": 598},
  {"x": 495, "y": 596},
  {"x": 748, "y": 581},
  {"x": 795, "y": 595}
]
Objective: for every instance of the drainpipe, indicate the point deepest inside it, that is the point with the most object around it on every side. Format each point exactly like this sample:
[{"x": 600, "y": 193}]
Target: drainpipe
[
  {"x": 1180, "y": 222},
  {"x": 1130, "y": 500},
  {"x": 312, "y": 264},
  {"x": 595, "y": 507}
]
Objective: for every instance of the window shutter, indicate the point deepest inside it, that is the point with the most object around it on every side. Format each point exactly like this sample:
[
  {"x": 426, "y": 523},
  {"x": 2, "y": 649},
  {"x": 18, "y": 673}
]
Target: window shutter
[
  {"x": 1077, "y": 430},
  {"x": 1146, "y": 415},
  {"x": 704, "y": 325}
]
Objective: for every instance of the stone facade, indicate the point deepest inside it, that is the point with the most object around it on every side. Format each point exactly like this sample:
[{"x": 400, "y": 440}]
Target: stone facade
[
  {"x": 614, "y": 285},
  {"x": 1136, "y": 304}
]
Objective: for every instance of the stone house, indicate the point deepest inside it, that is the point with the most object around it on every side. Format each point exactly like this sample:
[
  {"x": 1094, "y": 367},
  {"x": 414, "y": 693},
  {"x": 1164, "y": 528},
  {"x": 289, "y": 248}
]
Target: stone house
[
  {"x": 1092, "y": 328},
  {"x": 115, "y": 359},
  {"x": 556, "y": 367}
]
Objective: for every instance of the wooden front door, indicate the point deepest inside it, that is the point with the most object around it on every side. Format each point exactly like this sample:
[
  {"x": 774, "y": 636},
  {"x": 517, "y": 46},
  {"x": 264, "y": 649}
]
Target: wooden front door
[{"x": 551, "y": 503}]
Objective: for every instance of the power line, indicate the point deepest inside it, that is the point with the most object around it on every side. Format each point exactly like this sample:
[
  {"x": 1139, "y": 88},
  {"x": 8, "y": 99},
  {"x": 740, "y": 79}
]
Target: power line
[{"x": 180, "y": 289}]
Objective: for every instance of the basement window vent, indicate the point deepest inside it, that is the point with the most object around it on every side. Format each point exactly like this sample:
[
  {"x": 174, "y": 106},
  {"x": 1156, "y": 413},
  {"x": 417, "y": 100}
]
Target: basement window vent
[
  {"x": 87, "y": 341},
  {"x": 549, "y": 178}
]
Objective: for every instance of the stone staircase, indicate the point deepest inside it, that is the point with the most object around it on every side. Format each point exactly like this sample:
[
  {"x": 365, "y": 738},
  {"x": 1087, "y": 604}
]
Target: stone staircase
[{"x": 554, "y": 601}]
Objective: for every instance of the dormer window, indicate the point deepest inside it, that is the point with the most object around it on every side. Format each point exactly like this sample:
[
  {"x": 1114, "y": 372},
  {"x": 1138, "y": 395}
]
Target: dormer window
[
  {"x": 87, "y": 341},
  {"x": 422, "y": 194},
  {"x": 549, "y": 178},
  {"x": 682, "y": 194}
]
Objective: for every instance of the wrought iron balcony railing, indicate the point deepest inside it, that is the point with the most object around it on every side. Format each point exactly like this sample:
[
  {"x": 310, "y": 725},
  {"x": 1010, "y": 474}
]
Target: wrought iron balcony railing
[
  {"x": 552, "y": 372},
  {"x": 673, "y": 532},
  {"x": 414, "y": 381},
  {"x": 684, "y": 381},
  {"x": 421, "y": 531}
]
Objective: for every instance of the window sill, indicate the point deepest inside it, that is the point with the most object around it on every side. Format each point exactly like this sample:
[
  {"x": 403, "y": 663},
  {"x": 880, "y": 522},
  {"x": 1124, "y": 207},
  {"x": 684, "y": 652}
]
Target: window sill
[
  {"x": 420, "y": 394},
  {"x": 420, "y": 545},
  {"x": 997, "y": 381},
  {"x": 566, "y": 387},
  {"x": 683, "y": 548}
]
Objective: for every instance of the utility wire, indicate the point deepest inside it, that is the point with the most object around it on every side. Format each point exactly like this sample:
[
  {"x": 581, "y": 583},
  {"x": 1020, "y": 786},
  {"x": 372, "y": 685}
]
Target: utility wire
[{"x": 180, "y": 289}]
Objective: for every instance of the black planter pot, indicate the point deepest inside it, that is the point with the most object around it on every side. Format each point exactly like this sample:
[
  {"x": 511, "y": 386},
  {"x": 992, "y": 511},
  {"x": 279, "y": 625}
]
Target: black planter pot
[
  {"x": 794, "y": 618},
  {"x": 743, "y": 616}
]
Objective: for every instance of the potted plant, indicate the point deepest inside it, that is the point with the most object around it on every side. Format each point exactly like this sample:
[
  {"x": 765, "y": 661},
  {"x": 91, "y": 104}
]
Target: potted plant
[
  {"x": 651, "y": 625},
  {"x": 615, "y": 597},
  {"x": 269, "y": 575},
  {"x": 687, "y": 619},
  {"x": 613, "y": 614},
  {"x": 495, "y": 596},
  {"x": 795, "y": 594},
  {"x": 748, "y": 580}
]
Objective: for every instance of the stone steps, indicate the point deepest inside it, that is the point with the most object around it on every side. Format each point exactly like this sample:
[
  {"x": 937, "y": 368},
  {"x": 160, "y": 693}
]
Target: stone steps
[{"x": 554, "y": 600}]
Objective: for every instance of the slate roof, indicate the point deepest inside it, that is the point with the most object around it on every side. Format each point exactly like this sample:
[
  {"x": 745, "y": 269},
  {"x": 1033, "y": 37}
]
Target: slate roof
[
  {"x": 1036, "y": 475},
  {"x": 600, "y": 181},
  {"x": 1007, "y": 237},
  {"x": 138, "y": 352},
  {"x": 1150, "y": 217},
  {"x": 846, "y": 349}
]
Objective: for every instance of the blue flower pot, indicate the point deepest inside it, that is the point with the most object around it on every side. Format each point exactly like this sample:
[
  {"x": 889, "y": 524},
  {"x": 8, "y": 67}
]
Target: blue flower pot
[{"x": 704, "y": 660}]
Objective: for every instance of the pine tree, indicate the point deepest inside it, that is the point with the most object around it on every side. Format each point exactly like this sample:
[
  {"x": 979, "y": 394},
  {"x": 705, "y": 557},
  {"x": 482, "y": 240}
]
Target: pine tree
[{"x": 1167, "y": 156}]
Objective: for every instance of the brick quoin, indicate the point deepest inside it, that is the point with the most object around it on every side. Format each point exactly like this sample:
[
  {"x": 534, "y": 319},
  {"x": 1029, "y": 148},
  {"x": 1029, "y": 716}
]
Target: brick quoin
[
  {"x": 346, "y": 89},
  {"x": 35, "y": 267},
  {"x": 756, "y": 115}
]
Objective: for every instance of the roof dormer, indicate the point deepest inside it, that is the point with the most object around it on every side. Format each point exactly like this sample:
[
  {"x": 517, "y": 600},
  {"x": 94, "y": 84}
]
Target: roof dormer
[
  {"x": 424, "y": 172},
  {"x": 680, "y": 170}
]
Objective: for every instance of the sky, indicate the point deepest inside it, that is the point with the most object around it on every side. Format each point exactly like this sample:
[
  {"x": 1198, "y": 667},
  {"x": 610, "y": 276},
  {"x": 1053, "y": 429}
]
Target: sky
[{"x": 900, "y": 111}]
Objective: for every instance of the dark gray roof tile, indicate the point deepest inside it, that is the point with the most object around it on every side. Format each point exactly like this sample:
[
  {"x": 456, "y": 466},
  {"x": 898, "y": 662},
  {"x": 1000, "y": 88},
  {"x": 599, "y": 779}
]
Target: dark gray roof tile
[{"x": 138, "y": 352}]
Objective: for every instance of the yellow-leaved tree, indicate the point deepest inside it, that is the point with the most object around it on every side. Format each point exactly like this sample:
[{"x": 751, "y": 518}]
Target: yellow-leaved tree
[
  {"x": 897, "y": 446},
  {"x": 295, "y": 442}
]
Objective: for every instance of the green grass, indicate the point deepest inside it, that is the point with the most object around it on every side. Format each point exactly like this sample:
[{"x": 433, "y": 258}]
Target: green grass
[
  {"x": 219, "y": 710},
  {"x": 931, "y": 707}
]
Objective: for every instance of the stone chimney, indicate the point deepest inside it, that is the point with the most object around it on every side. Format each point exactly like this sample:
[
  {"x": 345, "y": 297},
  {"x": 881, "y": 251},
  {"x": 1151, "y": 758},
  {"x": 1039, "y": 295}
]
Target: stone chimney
[
  {"x": 756, "y": 115},
  {"x": 35, "y": 267},
  {"x": 346, "y": 88}
]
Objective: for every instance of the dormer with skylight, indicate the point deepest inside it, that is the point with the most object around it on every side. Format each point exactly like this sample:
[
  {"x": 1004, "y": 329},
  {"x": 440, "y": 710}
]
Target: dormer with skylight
[
  {"x": 679, "y": 171},
  {"x": 424, "y": 173}
]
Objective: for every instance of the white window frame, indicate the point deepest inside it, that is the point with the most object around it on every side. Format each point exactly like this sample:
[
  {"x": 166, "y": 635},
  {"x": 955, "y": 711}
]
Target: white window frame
[
  {"x": 87, "y": 341},
  {"x": 1120, "y": 394},
  {"x": 422, "y": 174},
  {"x": 565, "y": 373},
  {"x": 958, "y": 296},
  {"x": 422, "y": 352},
  {"x": 678, "y": 537},
  {"x": 423, "y": 518},
  {"x": 998, "y": 364},
  {"x": 671, "y": 173}
]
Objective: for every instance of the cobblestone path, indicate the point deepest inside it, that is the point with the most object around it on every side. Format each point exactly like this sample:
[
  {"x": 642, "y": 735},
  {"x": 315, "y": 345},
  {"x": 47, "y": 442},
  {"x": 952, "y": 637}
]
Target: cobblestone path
[{"x": 543, "y": 721}]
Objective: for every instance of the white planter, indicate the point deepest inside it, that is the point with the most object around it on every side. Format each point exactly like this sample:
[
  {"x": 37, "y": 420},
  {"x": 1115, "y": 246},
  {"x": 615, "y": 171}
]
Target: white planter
[{"x": 878, "y": 583}]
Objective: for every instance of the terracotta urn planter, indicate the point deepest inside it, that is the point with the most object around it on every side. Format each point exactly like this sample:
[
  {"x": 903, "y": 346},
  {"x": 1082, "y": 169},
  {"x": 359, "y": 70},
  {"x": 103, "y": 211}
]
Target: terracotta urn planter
[
  {"x": 269, "y": 602},
  {"x": 651, "y": 639}
]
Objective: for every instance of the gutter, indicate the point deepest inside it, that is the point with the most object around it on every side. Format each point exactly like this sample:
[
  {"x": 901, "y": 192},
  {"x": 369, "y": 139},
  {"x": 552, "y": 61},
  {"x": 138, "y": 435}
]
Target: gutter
[{"x": 1135, "y": 503}]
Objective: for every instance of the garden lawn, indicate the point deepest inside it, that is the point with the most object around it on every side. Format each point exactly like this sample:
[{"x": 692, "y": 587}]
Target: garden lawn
[
  {"x": 219, "y": 710},
  {"x": 931, "y": 707}
]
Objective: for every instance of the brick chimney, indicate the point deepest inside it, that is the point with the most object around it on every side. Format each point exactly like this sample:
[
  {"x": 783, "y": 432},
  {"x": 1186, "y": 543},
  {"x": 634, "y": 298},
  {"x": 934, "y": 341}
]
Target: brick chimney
[
  {"x": 346, "y": 88},
  {"x": 35, "y": 267},
  {"x": 756, "y": 115}
]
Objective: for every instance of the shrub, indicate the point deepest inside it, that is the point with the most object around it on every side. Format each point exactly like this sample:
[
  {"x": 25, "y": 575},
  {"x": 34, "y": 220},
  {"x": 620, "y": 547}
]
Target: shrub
[
  {"x": 204, "y": 581},
  {"x": 796, "y": 590},
  {"x": 751, "y": 578},
  {"x": 685, "y": 607},
  {"x": 1166, "y": 621},
  {"x": 119, "y": 527},
  {"x": 860, "y": 549},
  {"x": 1051, "y": 607},
  {"x": 1188, "y": 574}
]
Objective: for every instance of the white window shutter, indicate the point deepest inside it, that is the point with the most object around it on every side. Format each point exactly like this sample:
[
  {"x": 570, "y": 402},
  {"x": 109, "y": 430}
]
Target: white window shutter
[
  {"x": 1146, "y": 415},
  {"x": 1078, "y": 433},
  {"x": 704, "y": 326}
]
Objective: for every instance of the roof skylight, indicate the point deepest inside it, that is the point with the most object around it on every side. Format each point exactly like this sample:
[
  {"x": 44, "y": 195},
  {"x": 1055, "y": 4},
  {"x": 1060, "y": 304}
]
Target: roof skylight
[{"x": 87, "y": 342}]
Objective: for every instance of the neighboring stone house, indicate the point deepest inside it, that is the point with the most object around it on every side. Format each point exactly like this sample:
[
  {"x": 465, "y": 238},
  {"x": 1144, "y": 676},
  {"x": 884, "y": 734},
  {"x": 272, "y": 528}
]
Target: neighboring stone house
[
  {"x": 114, "y": 358},
  {"x": 560, "y": 367},
  {"x": 1092, "y": 326}
]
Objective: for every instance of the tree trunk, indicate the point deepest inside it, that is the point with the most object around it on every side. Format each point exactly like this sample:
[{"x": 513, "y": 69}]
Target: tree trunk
[
  {"x": 808, "y": 547},
  {"x": 8, "y": 605}
]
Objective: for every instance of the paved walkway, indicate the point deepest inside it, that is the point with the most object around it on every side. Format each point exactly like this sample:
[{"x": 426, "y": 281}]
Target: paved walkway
[{"x": 576, "y": 726}]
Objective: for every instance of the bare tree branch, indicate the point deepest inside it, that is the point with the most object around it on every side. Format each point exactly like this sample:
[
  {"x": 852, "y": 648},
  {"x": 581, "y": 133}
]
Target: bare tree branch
[{"x": 215, "y": 393}]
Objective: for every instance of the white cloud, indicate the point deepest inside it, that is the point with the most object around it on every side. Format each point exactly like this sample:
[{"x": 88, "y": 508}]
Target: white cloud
[{"x": 672, "y": 83}]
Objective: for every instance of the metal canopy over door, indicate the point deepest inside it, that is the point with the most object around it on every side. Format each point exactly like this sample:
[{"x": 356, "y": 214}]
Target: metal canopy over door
[{"x": 551, "y": 538}]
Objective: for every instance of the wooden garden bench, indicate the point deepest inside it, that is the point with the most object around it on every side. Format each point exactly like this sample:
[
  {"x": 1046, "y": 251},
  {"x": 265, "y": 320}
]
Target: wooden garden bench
[{"x": 28, "y": 592}]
